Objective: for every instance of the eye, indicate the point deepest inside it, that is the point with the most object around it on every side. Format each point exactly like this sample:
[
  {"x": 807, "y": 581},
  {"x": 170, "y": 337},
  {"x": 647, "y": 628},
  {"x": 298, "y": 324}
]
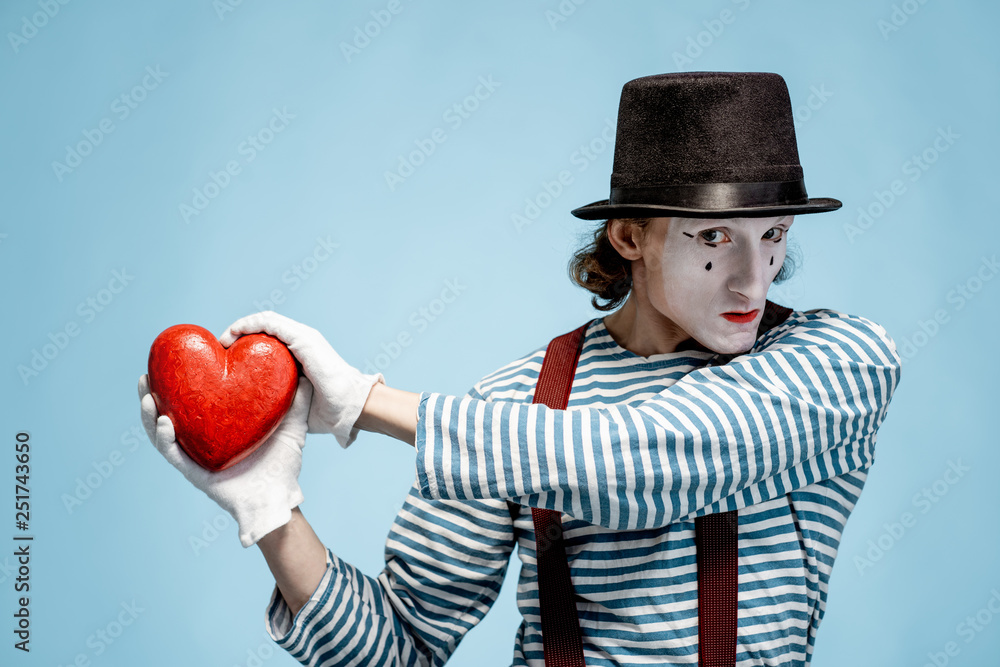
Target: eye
[
  {"x": 716, "y": 236},
  {"x": 711, "y": 232}
]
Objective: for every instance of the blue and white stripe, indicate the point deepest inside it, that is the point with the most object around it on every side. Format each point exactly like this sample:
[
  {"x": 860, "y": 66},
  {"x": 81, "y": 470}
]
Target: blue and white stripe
[{"x": 785, "y": 433}]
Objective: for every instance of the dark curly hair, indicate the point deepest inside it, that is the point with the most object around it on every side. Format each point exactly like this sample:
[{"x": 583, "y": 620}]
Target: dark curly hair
[{"x": 597, "y": 267}]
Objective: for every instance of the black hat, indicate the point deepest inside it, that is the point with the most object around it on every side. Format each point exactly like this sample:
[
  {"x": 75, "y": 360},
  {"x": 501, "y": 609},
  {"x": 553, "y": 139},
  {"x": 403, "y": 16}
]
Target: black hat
[{"x": 706, "y": 145}]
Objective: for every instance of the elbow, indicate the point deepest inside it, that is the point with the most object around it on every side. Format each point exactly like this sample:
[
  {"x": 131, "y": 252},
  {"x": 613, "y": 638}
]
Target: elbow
[{"x": 889, "y": 351}]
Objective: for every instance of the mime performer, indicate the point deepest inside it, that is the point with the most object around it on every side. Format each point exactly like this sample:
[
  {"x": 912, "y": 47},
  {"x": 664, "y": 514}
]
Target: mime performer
[{"x": 694, "y": 398}]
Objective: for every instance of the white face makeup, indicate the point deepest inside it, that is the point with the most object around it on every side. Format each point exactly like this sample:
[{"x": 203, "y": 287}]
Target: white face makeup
[{"x": 712, "y": 267}]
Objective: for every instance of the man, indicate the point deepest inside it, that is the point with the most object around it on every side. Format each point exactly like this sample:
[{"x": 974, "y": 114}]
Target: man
[{"x": 678, "y": 409}]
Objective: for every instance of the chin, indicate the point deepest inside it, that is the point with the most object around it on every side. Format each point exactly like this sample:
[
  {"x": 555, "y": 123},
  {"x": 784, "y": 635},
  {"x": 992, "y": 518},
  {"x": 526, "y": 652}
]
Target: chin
[{"x": 732, "y": 345}]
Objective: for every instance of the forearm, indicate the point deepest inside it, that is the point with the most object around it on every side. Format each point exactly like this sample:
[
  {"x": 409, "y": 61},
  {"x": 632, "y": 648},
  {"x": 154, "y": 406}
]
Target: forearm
[
  {"x": 618, "y": 468},
  {"x": 392, "y": 412},
  {"x": 399, "y": 617},
  {"x": 324, "y": 611},
  {"x": 722, "y": 436},
  {"x": 296, "y": 558}
]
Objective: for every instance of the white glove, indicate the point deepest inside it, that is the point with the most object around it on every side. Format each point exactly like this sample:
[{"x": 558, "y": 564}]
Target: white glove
[
  {"x": 259, "y": 491},
  {"x": 340, "y": 390}
]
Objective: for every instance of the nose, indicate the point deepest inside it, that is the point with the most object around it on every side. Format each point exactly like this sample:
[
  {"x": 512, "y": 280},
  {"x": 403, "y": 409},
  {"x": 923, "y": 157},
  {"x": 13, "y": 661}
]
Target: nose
[{"x": 749, "y": 277}]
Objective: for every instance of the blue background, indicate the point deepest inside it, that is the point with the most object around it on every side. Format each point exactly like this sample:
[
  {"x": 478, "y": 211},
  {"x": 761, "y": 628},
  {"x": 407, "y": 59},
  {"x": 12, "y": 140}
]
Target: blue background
[{"x": 897, "y": 596}]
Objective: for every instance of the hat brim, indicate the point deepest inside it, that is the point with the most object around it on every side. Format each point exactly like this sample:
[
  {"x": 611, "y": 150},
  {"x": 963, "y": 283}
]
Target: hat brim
[{"x": 602, "y": 209}]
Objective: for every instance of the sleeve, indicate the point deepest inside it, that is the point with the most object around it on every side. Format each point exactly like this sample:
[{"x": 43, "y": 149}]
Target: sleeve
[
  {"x": 445, "y": 563},
  {"x": 803, "y": 409}
]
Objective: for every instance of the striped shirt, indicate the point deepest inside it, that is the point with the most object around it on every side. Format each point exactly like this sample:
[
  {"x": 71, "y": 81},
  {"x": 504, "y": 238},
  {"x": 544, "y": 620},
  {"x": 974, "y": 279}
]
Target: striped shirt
[{"x": 784, "y": 433}]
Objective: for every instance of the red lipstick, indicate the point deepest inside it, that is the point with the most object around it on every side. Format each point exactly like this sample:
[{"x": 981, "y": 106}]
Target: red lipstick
[{"x": 741, "y": 318}]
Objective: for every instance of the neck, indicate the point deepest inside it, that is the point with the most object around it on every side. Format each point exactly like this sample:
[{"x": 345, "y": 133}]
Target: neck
[{"x": 642, "y": 330}]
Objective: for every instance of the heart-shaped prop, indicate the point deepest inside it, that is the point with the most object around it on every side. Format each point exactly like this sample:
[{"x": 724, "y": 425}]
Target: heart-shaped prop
[{"x": 224, "y": 403}]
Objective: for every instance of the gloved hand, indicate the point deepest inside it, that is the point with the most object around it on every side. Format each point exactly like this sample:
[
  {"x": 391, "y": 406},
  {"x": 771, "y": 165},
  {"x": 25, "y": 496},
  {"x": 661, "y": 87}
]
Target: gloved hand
[
  {"x": 340, "y": 390},
  {"x": 259, "y": 491}
]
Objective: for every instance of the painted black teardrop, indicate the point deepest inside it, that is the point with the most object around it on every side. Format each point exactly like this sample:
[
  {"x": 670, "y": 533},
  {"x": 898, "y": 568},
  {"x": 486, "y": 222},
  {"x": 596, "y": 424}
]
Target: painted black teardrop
[
  {"x": 772, "y": 261},
  {"x": 708, "y": 267}
]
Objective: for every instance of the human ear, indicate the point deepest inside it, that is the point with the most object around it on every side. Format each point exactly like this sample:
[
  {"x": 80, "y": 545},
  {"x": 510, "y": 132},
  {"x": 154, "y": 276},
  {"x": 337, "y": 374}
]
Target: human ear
[{"x": 625, "y": 237}]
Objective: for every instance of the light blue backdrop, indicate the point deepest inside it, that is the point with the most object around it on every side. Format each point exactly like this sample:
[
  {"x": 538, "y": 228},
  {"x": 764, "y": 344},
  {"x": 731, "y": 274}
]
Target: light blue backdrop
[{"x": 145, "y": 105}]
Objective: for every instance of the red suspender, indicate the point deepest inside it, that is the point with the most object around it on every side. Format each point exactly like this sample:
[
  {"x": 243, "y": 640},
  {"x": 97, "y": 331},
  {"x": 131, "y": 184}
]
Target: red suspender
[
  {"x": 556, "y": 600},
  {"x": 715, "y": 538},
  {"x": 718, "y": 559}
]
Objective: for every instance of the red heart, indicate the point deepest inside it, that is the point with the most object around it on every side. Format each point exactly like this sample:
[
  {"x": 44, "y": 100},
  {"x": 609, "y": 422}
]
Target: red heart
[{"x": 224, "y": 403}]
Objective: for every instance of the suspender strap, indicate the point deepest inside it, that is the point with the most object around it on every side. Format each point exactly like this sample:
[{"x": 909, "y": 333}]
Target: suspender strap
[
  {"x": 556, "y": 600},
  {"x": 718, "y": 557},
  {"x": 715, "y": 538},
  {"x": 718, "y": 564}
]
